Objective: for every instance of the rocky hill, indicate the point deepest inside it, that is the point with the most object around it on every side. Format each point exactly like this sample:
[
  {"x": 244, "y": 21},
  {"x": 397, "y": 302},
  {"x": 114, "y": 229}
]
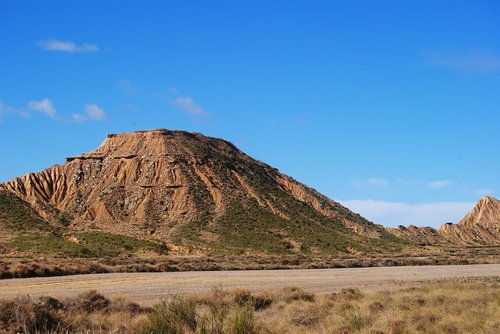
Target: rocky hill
[
  {"x": 481, "y": 226},
  {"x": 192, "y": 193},
  {"x": 486, "y": 213}
]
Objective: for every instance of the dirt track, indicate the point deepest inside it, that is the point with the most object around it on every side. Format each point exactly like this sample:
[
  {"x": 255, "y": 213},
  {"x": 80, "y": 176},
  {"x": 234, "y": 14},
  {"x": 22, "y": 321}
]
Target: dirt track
[{"x": 148, "y": 288}]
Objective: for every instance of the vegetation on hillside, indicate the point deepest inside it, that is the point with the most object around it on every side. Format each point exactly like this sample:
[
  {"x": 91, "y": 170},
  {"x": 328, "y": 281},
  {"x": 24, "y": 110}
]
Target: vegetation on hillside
[
  {"x": 32, "y": 235},
  {"x": 88, "y": 244},
  {"x": 16, "y": 215},
  {"x": 245, "y": 227}
]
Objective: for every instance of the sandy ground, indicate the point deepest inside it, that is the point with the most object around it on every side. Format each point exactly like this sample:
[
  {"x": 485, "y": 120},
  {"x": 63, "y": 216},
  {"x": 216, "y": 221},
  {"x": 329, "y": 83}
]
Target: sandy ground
[{"x": 149, "y": 288}]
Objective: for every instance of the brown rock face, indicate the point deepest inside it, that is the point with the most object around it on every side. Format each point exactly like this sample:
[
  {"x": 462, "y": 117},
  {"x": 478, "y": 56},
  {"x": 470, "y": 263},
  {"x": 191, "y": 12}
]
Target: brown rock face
[
  {"x": 421, "y": 235},
  {"x": 481, "y": 226},
  {"x": 486, "y": 213},
  {"x": 468, "y": 235},
  {"x": 131, "y": 177},
  {"x": 184, "y": 188}
]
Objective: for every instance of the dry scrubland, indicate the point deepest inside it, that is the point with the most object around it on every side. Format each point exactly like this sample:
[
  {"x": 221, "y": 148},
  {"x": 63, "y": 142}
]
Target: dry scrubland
[
  {"x": 447, "y": 306},
  {"x": 11, "y": 267}
]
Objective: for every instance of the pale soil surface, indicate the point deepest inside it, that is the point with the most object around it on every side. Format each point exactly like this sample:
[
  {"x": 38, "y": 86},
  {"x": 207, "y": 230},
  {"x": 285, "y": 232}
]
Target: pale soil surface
[{"x": 149, "y": 288}]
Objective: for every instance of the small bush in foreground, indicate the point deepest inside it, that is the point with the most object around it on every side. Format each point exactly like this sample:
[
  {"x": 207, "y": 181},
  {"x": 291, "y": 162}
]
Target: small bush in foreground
[
  {"x": 243, "y": 322},
  {"x": 21, "y": 315},
  {"x": 89, "y": 313},
  {"x": 175, "y": 316},
  {"x": 91, "y": 301}
]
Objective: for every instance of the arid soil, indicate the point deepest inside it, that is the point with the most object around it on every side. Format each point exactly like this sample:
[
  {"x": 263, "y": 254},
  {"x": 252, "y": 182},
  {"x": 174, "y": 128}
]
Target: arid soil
[{"x": 149, "y": 288}]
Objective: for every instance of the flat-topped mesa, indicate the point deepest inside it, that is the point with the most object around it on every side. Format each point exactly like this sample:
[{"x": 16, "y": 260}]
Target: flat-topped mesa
[
  {"x": 157, "y": 142},
  {"x": 194, "y": 191}
]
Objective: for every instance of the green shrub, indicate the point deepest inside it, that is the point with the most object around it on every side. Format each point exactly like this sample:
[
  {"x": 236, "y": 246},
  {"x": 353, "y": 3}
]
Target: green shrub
[
  {"x": 101, "y": 244},
  {"x": 16, "y": 215},
  {"x": 172, "y": 317},
  {"x": 64, "y": 219},
  {"x": 243, "y": 322}
]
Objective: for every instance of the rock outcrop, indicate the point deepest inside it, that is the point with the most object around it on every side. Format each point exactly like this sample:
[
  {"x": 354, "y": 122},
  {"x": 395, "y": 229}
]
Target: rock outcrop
[
  {"x": 196, "y": 193},
  {"x": 486, "y": 213},
  {"x": 421, "y": 235}
]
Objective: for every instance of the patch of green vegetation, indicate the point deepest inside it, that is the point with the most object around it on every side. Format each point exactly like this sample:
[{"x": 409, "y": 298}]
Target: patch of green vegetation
[
  {"x": 47, "y": 244},
  {"x": 245, "y": 226},
  {"x": 103, "y": 244},
  {"x": 64, "y": 219},
  {"x": 190, "y": 233},
  {"x": 91, "y": 244},
  {"x": 34, "y": 235},
  {"x": 17, "y": 216},
  {"x": 249, "y": 229}
]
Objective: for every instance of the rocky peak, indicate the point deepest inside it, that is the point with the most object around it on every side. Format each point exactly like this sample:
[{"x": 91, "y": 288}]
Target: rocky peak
[{"x": 486, "y": 212}]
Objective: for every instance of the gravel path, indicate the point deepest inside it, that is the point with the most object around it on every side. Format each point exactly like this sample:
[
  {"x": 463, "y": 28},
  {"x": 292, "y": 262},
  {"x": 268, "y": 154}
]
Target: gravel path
[{"x": 149, "y": 288}]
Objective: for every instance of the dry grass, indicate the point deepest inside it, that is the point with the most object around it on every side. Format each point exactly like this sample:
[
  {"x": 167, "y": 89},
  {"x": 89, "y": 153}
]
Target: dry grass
[
  {"x": 448, "y": 306},
  {"x": 90, "y": 312},
  {"x": 454, "y": 306},
  {"x": 57, "y": 266}
]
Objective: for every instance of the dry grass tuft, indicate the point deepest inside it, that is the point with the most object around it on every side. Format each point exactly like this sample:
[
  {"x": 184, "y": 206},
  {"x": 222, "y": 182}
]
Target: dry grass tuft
[
  {"x": 91, "y": 301},
  {"x": 88, "y": 313},
  {"x": 293, "y": 294},
  {"x": 21, "y": 315}
]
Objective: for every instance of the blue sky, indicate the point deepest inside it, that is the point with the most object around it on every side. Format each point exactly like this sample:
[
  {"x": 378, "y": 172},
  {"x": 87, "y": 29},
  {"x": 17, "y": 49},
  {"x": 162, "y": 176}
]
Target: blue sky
[{"x": 391, "y": 107}]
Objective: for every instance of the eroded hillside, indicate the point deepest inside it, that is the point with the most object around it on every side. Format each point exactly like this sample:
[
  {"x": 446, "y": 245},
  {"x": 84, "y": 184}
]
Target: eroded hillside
[{"x": 197, "y": 195}]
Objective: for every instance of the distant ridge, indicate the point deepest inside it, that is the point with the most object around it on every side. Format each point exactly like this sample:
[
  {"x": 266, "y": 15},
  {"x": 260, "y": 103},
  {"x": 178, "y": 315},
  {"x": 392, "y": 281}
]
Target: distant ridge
[{"x": 481, "y": 226}]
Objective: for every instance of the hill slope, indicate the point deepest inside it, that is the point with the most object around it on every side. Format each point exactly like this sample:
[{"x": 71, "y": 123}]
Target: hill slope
[
  {"x": 197, "y": 195},
  {"x": 486, "y": 213}
]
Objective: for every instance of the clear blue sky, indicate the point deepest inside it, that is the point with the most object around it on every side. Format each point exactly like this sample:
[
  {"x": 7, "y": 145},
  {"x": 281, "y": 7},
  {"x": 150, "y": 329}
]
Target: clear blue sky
[{"x": 392, "y": 107}]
